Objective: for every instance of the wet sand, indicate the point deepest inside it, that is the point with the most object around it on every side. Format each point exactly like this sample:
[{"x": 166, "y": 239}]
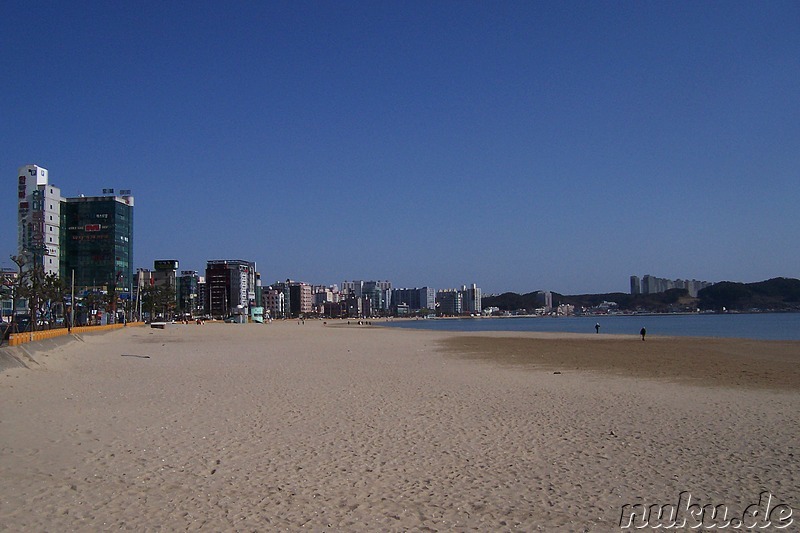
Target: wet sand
[
  {"x": 713, "y": 362},
  {"x": 287, "y": 426}
]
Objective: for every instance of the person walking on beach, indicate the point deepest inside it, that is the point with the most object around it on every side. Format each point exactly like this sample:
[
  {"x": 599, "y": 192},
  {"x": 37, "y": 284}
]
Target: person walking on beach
[
  {"x": 643, "y": 332},
  {"x": 597, "y": 327}
]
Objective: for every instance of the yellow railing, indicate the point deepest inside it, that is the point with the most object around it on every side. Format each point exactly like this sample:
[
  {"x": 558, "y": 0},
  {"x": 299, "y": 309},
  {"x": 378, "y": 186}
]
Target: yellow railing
[{"x": 15, "y": 339}]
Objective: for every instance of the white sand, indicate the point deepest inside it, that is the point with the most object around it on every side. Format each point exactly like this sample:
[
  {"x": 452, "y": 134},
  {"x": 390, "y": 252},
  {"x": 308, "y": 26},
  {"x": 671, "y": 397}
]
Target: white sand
[{"x": 286, "y": 426}]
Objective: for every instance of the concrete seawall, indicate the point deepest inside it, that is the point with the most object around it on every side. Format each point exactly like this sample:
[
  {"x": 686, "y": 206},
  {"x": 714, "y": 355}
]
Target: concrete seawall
[
  {"x": 15, "y": 339},
  {"x": 22, "y": 347}
]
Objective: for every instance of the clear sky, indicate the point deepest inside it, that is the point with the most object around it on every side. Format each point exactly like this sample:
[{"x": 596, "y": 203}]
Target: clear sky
[{"x": 518, "y": 145}]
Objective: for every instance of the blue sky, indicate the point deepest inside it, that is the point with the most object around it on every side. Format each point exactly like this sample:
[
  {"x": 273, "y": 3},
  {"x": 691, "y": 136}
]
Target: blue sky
[{"x": 518, "y": 145}]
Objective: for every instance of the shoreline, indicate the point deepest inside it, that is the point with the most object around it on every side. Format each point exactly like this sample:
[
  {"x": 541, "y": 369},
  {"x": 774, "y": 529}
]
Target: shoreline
[
  {"x": 608, "y": 315},
  {"x": 745, "y": 327}
]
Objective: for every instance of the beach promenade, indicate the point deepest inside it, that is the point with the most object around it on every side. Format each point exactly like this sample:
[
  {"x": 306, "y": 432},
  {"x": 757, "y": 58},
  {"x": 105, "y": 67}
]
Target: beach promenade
[{"x": 287, "y": 426}]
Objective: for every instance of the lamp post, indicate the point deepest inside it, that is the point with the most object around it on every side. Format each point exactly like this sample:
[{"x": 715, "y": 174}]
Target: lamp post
[{"x": 72, "y": 302}]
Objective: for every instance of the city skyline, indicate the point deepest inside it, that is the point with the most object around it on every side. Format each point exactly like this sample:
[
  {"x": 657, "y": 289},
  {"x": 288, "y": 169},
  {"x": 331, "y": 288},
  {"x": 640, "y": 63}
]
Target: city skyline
[
  {"x": 32, "y": 176},
  {"x": 519, "y": 146}
]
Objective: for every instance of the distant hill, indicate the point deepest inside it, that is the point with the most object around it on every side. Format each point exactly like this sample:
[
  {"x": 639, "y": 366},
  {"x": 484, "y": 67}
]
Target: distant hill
[
  {"x": 773, "y": 294},
  {"x": 776, "y": 294},
  {"x": 671, "y": 300},
  {"x": 664, "y": 301}
]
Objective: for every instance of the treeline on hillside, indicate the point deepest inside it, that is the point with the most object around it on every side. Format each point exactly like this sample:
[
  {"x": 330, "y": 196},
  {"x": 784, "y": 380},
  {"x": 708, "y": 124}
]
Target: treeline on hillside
[
  {"x": 780, "y": 294},
  {"x": 664, "y": 301},
  {"x": 777, "y": 294},
  {"x": 671, "y": 300}
]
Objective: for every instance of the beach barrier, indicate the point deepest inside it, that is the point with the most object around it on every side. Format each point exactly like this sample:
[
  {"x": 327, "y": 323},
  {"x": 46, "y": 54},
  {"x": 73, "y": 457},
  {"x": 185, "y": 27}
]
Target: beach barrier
[{"x": 15, "y": 339}]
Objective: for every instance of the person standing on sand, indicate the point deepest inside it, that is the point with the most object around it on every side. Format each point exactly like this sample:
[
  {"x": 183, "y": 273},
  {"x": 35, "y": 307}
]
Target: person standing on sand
[
  {"x": 597, "y": 327},
  {"x": 643, "y": 332}
]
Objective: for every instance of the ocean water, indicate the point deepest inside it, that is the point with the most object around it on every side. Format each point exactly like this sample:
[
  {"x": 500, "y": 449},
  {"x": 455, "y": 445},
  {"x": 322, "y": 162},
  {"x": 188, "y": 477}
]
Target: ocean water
[{"x": 762, "y": 326}]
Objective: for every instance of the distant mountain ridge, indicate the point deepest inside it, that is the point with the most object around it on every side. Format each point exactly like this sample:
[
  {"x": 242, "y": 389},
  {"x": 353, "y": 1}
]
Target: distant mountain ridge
[
  {"x": 777, "y": 294},
  {"x": 773, "y": 294}
]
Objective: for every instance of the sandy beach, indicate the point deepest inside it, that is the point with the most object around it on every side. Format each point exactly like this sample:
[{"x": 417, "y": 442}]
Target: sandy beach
[{"x": 287, "y": 426}]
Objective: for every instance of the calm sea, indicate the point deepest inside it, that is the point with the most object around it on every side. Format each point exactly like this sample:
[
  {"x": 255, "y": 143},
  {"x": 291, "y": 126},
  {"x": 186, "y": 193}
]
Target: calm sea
[{"x": 765, "y": 326}]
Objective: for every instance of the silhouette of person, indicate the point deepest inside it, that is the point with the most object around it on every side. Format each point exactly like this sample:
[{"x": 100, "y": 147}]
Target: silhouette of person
[
  {"x": 597, "y": 327},
  {"x": 643, "y": 332}
]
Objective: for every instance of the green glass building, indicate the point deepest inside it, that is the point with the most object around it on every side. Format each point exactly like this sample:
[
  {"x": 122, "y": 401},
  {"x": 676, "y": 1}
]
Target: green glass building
[{"x": 97, "y": 242}]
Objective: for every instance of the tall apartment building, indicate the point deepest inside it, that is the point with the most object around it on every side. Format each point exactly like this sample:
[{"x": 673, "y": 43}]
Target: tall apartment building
[
  {"x": 322, "y": 294},
  {"x": 636, "y": 285},
  {"x": 38, "y": 220},
  {"x": 97, "y": 242},
  {"x": 230, "y": 285},
  {"x": 416, "y": 298},
  {"x": 449, "y": 302},
  {"x": 90, "y": 238},
  {"x": 651, "y": 285},
  {"x": 188, "y": 294},
  {"x": 273, "y": 301},
  {"x": 544, "y": 300},
  {"x": 377, "y": 292},
  {"x": 202, "y": 294},
  {"x": 466, "y": 300},
  {"x": 357, "y": 286},
  {"x": 165, "y": 274},
  {"x": 300, "y": 299},
  {"x": 289, "y": 299},
  {"x": 142, "y": 280},
  {"x": 471, "y": 299},
  {"x": 354, "y": 306}
]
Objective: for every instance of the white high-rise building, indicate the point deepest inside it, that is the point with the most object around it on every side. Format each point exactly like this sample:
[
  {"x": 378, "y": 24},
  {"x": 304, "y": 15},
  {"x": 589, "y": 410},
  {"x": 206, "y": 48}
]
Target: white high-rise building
[
  {"x": 38, "y": 219},
  {"x": 471, "y": 299}
]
